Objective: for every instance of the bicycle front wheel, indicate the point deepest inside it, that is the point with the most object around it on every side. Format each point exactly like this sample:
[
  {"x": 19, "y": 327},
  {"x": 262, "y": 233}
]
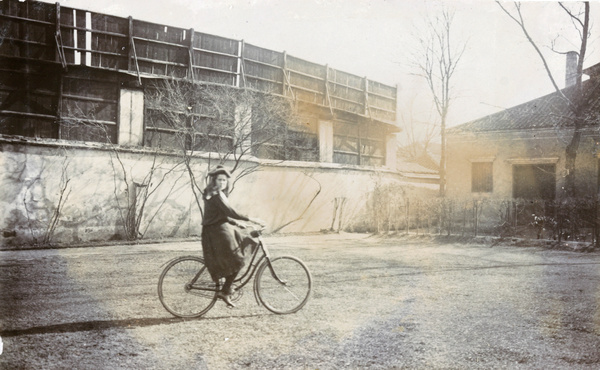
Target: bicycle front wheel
[
  {"x": 283, "y": 284},
  {"x": 185, "y": 287}
]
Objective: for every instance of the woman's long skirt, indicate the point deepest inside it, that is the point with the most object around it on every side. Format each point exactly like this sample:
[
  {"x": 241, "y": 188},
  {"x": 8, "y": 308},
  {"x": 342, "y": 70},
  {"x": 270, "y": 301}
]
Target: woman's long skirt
[{"x": 223, "y": 246}]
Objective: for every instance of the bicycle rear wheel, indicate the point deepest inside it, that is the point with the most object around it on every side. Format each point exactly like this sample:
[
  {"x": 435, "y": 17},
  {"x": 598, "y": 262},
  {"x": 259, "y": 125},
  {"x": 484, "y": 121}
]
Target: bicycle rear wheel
[
  {"x": 185, "y": 287},
  {"x": 283, "y": 284}
]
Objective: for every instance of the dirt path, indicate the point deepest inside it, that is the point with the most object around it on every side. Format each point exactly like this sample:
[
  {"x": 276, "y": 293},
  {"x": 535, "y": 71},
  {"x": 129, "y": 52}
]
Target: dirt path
[{"x": 377, "y": 303}]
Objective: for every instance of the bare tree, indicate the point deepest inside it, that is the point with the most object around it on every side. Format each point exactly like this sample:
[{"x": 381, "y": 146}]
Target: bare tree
[
  {"x": 417, "y": 135},
  {"x": 436, "y": 60},
  {"x": 135, "y": 217},
  {"x": 44, "y": 206},
  {"x": 575, "y": 98},
  {"x": 227, "y": 123}
]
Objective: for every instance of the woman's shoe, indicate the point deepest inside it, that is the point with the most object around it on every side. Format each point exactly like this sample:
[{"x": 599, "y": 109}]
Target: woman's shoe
[{"x": 226, "y": 299}]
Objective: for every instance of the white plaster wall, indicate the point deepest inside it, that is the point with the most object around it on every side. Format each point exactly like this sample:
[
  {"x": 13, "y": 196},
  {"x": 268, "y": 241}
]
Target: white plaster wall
[{"x": 99, "y": 179}]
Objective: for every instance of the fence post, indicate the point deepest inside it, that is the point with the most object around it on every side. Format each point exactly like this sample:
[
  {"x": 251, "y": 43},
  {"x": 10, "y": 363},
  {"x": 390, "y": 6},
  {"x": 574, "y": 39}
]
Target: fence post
[
  {"x": 440, "y": 209},
  {"x": 342, "y": 203},
  {"x": 476, "y": 216},
  {"x": 464, "y": 225},
  {"x": 407, "y": 216},
  {"x": 596, "y": 228},
  {"x": 335, "y": 209},
  {"x": 389, "y": 215}
]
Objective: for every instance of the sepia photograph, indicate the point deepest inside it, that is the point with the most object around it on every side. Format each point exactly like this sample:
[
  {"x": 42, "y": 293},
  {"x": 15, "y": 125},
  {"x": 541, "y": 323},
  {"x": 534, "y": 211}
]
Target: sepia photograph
[{"x": 299, "y": 184}]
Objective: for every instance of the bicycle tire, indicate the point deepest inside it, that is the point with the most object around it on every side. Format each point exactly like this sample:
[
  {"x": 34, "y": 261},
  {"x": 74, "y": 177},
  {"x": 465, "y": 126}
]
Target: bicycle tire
[
  {"x": 283, "y": 298},
  {"x": 175, "y": 288}
]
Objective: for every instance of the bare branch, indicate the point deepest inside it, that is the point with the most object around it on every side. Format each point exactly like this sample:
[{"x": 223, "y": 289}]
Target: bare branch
[
  {"x": 436, "y": 63},
  {"x": 305, "y": 209},
  {"x": 519, "y": 20},
  {"x": 574, "y": 18}
]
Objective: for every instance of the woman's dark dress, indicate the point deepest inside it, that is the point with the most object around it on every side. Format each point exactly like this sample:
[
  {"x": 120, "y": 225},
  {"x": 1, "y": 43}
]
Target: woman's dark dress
[{"x": 223, "y": 243}]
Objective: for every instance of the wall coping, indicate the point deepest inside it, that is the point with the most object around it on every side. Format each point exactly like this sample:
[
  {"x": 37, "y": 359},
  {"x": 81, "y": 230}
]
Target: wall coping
[
  {"x": 56, "y": 143},
  {"x": 588, "y": 130},
  {"x": 533, "y": 160}
]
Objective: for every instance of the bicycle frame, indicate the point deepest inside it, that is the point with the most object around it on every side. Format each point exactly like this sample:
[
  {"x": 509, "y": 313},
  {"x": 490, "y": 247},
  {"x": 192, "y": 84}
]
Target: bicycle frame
[
  {"x": 191, "y": 272},
  {"x": 248, "y": 274}
]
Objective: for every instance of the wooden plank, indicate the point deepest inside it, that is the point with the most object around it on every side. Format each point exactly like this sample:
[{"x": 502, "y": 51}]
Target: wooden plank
[
  {"x": 89, "y": 98},
  {"x": 239, "y": 67},
  {"x": 163, "y": 62},
  {"x": 307, "y": 75},
  {"x": 264, "y": 79},
  {"x": 95, "y": 51},
  {"x": 25, "y": 20},
  {"x": 305, "y": 66},
  {"x": 30, "y": 42},
  {"x": 161, "y": 129},
  {"x": 242, "y": 62},
  {"x": 166, "y": 43},
  {"x": 94, "y": 31},
  {"x": 59, "y": 95},
  {"x": 264, "y": 55},
  {"x": 57, "y": 51},
  {"x": 215, "y": 53},
  {"x": 87, "y": 120},
  {"x": 215, "y": 70},
  {"x": 382, "y": 109},
  {"x": 130, "y": 46},
  {"x": 306, "y": 89},
  {"x": 371, "y": 93},
  {"x": 336, "y": 97},
  {"x": 191, "y": 55},
  {"x": 285, "y": 75},
  {"x": 263, "y": 63},
  {"x": 345, "y": 85},
  {"x": 25, "y": 114}
]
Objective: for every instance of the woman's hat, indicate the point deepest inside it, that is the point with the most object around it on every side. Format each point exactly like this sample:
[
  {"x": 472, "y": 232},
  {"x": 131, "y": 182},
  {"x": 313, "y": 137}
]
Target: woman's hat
[{"x": 219, "y": 170}]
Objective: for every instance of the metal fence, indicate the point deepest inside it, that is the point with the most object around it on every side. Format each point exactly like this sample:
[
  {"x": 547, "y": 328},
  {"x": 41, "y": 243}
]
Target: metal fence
[{"x": 571, "y": 219}]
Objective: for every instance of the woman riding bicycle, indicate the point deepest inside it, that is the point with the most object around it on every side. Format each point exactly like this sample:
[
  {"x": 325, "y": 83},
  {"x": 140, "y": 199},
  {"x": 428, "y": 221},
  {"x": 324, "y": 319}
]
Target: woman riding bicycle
[{"x": 223, "y": 240}]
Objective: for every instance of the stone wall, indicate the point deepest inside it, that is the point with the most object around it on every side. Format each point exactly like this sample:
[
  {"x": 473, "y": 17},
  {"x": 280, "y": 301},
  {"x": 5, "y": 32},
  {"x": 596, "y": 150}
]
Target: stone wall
[{"x": 70, "y": 193}]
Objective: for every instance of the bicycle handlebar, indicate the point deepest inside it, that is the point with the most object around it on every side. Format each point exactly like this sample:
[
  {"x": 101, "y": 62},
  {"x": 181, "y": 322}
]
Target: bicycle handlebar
[{"x": 257, "y": 232}]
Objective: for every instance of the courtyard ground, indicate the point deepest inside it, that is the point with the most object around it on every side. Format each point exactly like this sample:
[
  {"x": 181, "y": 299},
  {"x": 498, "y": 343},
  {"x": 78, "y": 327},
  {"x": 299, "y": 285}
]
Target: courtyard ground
[{"x": 408, "y": 302}]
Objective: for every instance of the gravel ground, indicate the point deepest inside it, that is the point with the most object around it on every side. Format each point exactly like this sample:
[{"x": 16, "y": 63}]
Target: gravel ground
[{"x": 377, "y": 303}]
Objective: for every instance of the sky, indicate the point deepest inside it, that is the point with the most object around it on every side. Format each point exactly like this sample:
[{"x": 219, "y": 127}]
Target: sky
[{"x": 376, "y": 39}]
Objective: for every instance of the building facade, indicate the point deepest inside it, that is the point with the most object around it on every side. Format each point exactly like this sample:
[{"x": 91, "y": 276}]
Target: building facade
[
  {"x": 87, "y": 156},
  {"x": 71, "y": 74},
  {"x": 519, "y": 153}
]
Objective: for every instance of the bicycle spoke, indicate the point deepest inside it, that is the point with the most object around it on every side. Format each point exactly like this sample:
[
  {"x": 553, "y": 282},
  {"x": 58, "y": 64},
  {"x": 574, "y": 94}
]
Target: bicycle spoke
[
  {"x": 185, "y": 288},
  {"x": 283, "y": 295}
]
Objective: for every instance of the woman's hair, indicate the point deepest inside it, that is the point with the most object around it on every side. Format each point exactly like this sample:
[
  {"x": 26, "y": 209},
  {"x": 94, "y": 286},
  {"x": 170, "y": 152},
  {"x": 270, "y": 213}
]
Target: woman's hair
[{"x": 211, "y": 188}]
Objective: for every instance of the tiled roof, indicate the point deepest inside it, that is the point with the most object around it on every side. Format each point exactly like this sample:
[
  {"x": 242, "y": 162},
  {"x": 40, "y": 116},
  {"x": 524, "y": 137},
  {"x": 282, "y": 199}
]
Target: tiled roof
[
  {"x": 414, "y": 168},
  {"x": 550, "y": 111},
  {"x": 424, "y": 155},
  {"x": 592, "y": 71}
]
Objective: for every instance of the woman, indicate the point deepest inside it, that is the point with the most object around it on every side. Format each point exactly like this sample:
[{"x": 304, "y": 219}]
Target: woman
[{"x": 223, "y": 242}]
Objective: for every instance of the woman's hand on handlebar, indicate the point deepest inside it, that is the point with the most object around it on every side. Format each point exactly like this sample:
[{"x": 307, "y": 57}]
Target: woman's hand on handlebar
[{"x": 258, "y": 221}]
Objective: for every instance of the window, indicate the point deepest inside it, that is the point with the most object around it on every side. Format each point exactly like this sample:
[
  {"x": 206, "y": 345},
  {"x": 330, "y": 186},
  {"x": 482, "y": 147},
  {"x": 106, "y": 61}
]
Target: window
[
  {"x": 196, "y": 126},
  {"x": 359, "y": 144},
  {"x": 534, "y": 181},
  {"x": 284, "y": 137},
  {"x": 482, "y": 177},
  {"x": 285, "y": 141}
]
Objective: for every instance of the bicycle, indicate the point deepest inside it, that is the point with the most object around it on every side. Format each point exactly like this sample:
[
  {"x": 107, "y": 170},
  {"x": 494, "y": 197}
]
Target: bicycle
[{"x": 281, "y": 284}]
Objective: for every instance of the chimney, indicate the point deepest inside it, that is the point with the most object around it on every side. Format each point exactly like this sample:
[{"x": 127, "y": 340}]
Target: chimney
[{"x": 571, "y": 69}]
